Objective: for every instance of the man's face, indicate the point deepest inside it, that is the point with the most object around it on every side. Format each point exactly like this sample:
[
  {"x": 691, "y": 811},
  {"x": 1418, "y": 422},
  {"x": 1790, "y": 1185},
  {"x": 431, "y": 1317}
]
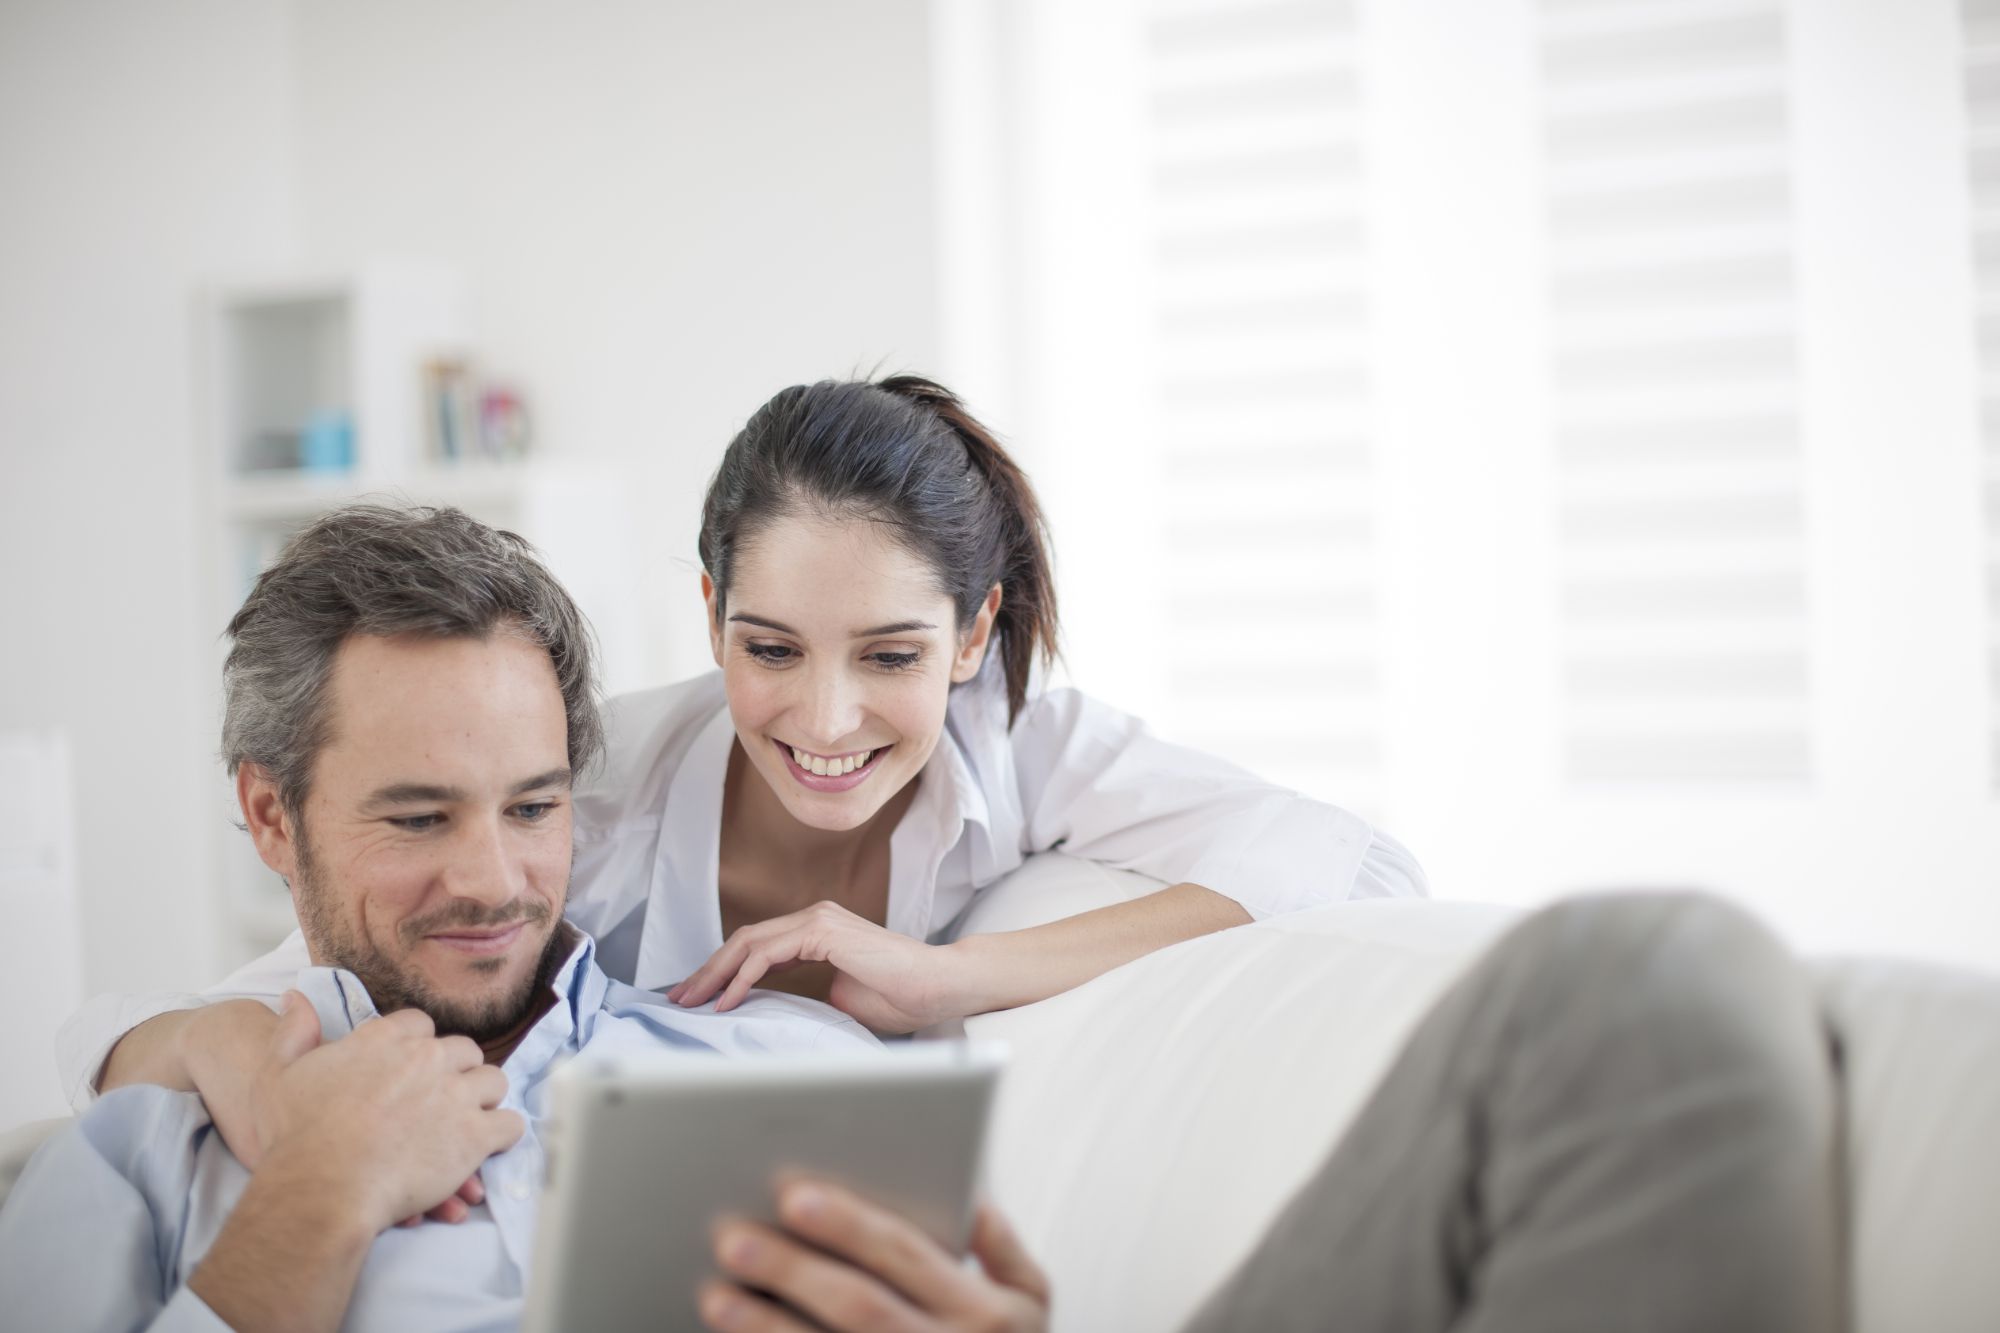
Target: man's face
[{"x": 434, "y": 856}]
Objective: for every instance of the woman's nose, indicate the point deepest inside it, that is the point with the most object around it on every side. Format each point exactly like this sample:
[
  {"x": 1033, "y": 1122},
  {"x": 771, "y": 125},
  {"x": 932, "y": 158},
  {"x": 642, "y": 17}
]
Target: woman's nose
[{"x": 832, "y": 708}]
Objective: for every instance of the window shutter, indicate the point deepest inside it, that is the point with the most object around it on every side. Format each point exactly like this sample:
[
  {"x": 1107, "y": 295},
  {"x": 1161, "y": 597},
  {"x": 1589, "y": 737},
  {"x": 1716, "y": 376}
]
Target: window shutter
[
  {"x": 1982, "y": 118},
  {"x": 1258, "y": 242},
  {"x": 1674, "y": 378}
]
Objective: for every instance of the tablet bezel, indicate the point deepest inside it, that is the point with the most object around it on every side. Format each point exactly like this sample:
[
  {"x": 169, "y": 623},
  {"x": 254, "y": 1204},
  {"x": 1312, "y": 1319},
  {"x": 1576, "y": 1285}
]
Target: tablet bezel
[{"x": 628, "y": 1205}]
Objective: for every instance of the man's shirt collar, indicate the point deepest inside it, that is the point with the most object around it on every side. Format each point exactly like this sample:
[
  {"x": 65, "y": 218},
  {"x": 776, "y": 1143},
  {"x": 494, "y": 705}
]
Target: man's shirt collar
[{"x": 343, "y": 1003}]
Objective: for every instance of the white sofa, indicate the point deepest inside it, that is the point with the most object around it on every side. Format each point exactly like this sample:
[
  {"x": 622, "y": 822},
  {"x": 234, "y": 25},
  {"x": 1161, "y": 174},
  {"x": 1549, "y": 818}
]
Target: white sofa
[{"x": 1153, "y": 1121}]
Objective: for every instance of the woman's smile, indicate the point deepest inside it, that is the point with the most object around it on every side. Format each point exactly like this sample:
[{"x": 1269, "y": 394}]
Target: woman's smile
[{"x": 830, "y": 773}]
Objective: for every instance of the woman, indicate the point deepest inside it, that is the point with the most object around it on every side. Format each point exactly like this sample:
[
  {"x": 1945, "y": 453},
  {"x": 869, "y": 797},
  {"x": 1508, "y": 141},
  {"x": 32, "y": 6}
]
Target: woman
[{"x": 875, "y": 750}]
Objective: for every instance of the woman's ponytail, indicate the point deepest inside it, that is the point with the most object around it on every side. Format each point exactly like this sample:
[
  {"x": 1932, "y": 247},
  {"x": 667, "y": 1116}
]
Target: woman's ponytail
[{"x": 1025, "y": 629}]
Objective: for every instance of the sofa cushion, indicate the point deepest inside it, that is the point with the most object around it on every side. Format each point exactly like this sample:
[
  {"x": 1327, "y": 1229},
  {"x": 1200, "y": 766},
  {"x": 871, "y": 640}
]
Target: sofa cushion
[
  {"x": 1153, "y": 1121},
  {"x": 18, "y": 1144},
  {"x": 1921, "y": 1048}
]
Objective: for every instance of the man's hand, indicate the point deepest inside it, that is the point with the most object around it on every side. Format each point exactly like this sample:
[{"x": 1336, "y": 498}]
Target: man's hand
[
  {"x": 402, "y": 1116},
  {"x": 852, "y": 1266}
]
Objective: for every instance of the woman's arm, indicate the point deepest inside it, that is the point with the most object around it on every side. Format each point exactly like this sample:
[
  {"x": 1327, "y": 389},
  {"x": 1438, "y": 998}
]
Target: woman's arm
[
  {"x": 215, "y": 1051},
  {"x": 1019, "y": 967},
  {"x": 164, "y": 1050},
  {"x": 1094, "y": 782},
  {"x": 892, "y": 983},
  {"x": 94, "y": 1051}
]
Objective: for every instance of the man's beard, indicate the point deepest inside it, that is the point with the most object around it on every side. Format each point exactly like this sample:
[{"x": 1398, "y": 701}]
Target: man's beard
[{"x": 485, "y": 1019}]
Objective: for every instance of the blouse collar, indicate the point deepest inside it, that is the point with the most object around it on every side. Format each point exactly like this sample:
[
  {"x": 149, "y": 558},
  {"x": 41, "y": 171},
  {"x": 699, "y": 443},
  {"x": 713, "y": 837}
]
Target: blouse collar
[{"x": 684, "y": 910}]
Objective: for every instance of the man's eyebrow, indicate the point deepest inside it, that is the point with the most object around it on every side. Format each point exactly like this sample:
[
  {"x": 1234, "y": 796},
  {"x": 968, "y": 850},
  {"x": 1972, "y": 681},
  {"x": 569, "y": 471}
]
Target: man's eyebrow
[
  {"x": 555, "y": 777},
  {"x": 896, "y": 627},
  {"x": 411, "y": 793},
  {"x": 422, "y": 793}
]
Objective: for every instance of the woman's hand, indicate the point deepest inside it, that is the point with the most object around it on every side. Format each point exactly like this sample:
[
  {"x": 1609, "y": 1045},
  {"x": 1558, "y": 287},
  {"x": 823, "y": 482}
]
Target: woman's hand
[
  {"x": 847, "y": 1264},
  {"x": 886, "y": 981},
  {"x": 224, "y": 1048}
]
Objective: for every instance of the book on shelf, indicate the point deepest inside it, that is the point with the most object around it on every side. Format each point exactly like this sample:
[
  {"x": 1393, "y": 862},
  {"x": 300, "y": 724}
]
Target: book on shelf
[
  {"x": 469, "y": 418},
  {"x": 324, "y": 443}
]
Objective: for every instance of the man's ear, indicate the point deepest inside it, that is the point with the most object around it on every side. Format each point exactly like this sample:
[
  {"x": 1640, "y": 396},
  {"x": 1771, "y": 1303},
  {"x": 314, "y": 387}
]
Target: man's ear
[
  {"x": 972, "y": 648},
  {"x": 714, "y": 625},
  {"x": 264, "y": 814}
]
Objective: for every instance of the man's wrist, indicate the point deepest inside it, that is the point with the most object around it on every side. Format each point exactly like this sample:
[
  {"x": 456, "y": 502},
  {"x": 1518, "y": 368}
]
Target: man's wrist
[
  {"x": 290, "y": 1251},
  {"x": 325, "y": 1186}
]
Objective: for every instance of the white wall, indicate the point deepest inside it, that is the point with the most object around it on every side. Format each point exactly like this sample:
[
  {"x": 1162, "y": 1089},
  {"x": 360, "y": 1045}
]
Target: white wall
[
  {"x": 134, "y": 156},
  {"x": 664, "y": 212}
]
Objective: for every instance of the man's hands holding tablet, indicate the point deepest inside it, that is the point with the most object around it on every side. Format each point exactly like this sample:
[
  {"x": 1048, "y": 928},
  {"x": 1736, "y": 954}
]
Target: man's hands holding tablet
[{"x": 845, "y": 1264}]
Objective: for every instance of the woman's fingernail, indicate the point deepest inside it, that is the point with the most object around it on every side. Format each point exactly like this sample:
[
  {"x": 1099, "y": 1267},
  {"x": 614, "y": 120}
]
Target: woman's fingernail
[{"x": 805, "y": 1202}]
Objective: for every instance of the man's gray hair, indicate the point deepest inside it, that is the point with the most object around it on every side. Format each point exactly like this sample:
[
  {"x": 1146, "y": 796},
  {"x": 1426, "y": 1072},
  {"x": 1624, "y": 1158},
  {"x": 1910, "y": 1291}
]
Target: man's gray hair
[{"x": 378, "y": 569}]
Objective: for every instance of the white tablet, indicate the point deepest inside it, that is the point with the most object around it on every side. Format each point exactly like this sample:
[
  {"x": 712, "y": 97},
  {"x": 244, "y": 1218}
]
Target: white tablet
[{"x": 644, "y": 1153}]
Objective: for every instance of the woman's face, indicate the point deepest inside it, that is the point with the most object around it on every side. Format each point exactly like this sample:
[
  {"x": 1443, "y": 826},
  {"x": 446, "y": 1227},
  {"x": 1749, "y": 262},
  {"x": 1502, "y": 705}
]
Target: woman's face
[{"x": 838, "y": 651}]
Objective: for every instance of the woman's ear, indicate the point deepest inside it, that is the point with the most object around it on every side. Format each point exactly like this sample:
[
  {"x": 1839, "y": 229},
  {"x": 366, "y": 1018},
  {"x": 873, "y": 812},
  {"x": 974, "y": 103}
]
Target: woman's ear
[
  {"x": 265, "y": 816},
  {"x": 972, "y": 648},
  {"x": 714, "y": 625}
]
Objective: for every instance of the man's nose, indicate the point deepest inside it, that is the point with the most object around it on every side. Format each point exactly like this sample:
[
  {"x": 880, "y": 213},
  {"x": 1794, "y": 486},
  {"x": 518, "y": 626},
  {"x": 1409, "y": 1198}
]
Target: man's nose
[{"x": 482, "y": 867}]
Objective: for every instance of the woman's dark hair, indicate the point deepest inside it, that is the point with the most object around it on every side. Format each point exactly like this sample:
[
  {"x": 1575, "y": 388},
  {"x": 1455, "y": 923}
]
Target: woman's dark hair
[{"x": 903, "y": 452}]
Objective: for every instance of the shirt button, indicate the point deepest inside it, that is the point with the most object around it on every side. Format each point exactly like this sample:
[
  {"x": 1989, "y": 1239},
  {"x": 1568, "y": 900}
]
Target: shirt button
[{"x": 517, "y": 1191}]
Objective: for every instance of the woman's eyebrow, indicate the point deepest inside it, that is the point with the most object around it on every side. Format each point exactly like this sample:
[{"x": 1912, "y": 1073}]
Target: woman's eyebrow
[
  {"x": 895, "y": 627},
  {"x": 899, "y": 627},
  {"x": 762, "y": 623}
]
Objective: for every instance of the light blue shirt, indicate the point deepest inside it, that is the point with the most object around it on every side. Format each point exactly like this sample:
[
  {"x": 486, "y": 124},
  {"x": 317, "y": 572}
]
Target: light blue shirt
[{"x": 114, "y": 1214}]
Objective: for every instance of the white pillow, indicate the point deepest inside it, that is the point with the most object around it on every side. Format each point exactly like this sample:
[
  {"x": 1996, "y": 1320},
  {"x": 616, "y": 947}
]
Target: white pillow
[
  {"x": 1048, "y": 887},
  {"x": 1922, "y": 1058},
  {"x": 1153, "y": 1122},
  {"x": 18, "y": 1144}
]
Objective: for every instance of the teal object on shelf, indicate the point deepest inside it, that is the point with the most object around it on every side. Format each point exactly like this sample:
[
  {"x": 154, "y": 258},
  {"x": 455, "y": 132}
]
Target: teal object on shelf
[{"x": 328, "y": 443}]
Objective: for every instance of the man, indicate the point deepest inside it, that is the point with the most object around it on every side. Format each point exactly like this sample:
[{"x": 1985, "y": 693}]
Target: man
[{"x": 409, "y": 697}]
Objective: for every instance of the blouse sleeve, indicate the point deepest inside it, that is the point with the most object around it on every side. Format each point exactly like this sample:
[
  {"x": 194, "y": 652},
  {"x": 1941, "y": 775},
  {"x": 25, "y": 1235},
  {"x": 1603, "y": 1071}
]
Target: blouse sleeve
[
  {"x": 85, "y": 1041},
  {"x": 1095, "y": 782}
]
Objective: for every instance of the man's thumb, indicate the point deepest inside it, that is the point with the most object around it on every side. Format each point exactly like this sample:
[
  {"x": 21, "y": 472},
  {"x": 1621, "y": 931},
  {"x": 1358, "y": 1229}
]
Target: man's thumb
[{"x": 298, "y": 1029}]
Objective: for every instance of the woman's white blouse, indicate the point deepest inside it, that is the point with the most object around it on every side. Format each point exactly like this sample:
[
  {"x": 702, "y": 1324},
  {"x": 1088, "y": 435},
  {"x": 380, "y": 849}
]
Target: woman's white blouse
[{"x": 1070, "y": 773}]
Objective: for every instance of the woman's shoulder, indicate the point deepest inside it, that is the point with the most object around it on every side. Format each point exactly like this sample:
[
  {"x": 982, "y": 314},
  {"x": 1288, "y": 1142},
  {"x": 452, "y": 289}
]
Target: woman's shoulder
[{"x": 646, "y": 733}]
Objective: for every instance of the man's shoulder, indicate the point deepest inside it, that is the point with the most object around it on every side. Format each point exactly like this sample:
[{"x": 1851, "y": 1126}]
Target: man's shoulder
[
  {"x": 146, "y": 1135},
  {"x": 142, "y": 1117},
  {"x": 151, "y": 1136}
]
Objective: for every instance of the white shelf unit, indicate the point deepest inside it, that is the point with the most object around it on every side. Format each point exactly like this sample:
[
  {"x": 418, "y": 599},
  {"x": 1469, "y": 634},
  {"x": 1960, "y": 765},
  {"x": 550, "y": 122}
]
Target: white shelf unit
[{"x": 280, "y": 352}]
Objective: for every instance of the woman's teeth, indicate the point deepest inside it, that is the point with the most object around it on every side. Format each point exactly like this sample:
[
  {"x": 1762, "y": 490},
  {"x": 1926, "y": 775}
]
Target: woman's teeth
[{"x": 829, "y": 768}]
